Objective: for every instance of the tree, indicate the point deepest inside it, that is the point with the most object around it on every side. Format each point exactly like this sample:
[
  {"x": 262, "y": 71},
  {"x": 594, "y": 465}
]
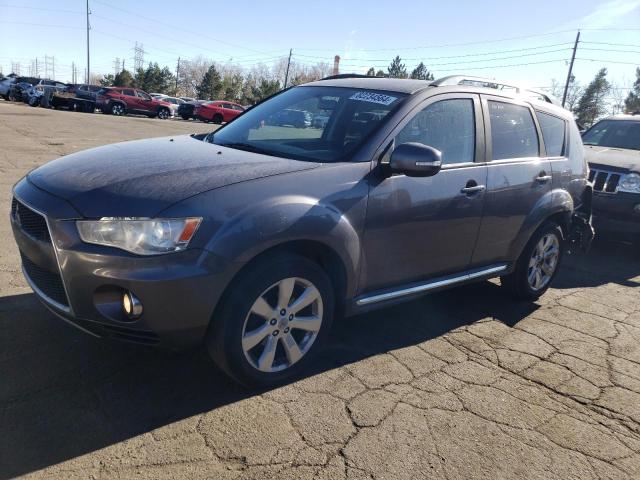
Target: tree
[
  {"x": 574, "y": 92},
  {"x": 155, "y": 79},
  {"x": 123, "y": 79},
  {"x": 371, "y": 72},
  {"x": 265, "y": 88},
  {"x": 592, "y": 103},
  {"x": 107, "y": 80},
  {"x": 232, "y": 86},
  {"x": 421, "y": 73},
  {"x": 211, "y": 85},
  {"x": 380, "y": 73},
  {"x": 397, "y": 69},
  {"x": 632, "y": 102}
]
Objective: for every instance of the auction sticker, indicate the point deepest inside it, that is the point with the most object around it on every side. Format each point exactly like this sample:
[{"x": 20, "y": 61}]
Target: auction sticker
[{"x": 373, "y": 98}]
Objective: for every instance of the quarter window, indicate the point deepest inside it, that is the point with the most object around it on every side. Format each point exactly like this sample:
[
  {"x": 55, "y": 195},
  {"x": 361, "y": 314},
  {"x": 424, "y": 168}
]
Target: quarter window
[
  {"x": 553, "y": 131},
  {"x": 513, "y": 133},
  {"x": 447, "y": 125}
]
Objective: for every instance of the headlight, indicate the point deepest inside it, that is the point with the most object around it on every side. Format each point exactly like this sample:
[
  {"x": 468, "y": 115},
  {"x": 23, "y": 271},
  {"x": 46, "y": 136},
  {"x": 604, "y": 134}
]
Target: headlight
[
  {"x": 139, "y": 235},
  {"x": 629, "y": 183}
]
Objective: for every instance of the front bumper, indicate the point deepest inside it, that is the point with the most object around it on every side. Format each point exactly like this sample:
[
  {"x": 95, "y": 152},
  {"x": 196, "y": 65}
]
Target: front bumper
[
  {"x": 83, "y": 284},
  {"x": 617, "y": 213}
]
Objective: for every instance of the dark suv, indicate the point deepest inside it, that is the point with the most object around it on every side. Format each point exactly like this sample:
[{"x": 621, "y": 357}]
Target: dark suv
[
  {"x": 251, "y": 237},
  {"x": 613, "y": 153},
  {"x": 123, "y": 100}
]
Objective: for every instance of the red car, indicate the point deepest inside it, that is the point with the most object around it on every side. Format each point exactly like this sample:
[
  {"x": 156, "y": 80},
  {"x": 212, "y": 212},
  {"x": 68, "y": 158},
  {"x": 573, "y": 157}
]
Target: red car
[
  {"x": 122, "y": 100},
  {"x": 217, "y": 111}
]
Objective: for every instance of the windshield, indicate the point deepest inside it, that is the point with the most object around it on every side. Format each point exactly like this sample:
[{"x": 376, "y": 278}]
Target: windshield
[
  {"x": 614, "y": 133},
  {"x": 310, "y": 123}
]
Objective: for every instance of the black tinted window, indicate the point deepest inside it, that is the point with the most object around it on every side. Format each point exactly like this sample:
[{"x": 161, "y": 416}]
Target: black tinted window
[
  {"x": 553, "y": 130},
  {"x": 614, "y": 133},
  {"x": 130, "y": 93},
  {"x": 513, "y": 133},
  {"x": 448, "y": 125}
]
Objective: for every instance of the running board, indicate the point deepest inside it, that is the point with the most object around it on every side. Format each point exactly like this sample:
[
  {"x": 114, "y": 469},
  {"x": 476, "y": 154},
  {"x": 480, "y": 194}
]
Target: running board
[{"x": 431, "y": 285}]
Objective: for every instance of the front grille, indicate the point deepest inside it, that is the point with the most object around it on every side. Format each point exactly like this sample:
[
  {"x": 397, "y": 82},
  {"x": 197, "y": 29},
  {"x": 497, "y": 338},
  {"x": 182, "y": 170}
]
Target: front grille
[
  {"x": 604, "y": 180},
  {"x": 49, "y": 283},
  {"x": 30, "y": 222}
]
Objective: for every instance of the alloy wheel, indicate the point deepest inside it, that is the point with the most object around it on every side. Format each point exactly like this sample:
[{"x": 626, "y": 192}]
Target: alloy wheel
[
  {"x": 282, "y": 324},
  {"x": 543, "y": 261},
  {"x": 117, "y": 109}
]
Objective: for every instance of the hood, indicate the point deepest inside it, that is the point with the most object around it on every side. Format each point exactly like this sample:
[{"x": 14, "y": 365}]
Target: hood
[
  {"x": 142, "y": 178},
  {"x": 613, "y": 157}
]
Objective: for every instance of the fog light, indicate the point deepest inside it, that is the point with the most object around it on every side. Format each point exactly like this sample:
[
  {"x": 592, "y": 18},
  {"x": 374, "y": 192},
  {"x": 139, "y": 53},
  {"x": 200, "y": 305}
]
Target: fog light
[{"x": 131, "y": 304}]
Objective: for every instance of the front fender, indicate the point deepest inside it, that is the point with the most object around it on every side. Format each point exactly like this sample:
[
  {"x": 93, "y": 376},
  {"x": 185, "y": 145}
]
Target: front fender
[
  {"x": 262, "y": 226},
  {"x": 556, "y": 202}
]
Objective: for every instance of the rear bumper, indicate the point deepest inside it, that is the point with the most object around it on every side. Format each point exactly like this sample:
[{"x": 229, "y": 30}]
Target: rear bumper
[
  {"x": 83, "y": 284},
  {"x": 617, "y": 213}
]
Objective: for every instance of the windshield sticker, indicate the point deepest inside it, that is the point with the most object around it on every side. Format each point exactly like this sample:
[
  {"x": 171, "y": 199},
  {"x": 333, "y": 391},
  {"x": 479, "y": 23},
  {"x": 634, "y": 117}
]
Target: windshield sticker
[{"x": 373, "y": 98}]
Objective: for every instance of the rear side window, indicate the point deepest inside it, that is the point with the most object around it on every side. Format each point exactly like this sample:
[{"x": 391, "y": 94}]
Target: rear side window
[
  {"x": 448, "y": 125},
  {"x": 513, "y": 133},
  {"x": 129, "y": 93},
  {"x": 553, "y": 131}
]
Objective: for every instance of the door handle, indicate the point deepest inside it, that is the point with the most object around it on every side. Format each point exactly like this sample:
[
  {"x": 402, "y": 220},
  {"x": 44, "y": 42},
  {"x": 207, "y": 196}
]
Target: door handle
[
  {"x": 543, "y": 178},
  {"x": 474, "y": 189}
]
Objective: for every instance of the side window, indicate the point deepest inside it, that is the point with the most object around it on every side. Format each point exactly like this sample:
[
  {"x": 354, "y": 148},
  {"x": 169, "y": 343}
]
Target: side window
[
  {"x": 128, "y": 92},
  {"x": 143, "y": 95},
  {"x": 448, "y": 125},
  {"x": 553, "y": 131},
  {"x": 513, "y": 133}
]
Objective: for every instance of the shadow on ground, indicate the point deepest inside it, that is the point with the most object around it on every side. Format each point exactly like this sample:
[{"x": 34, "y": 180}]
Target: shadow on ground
[{"x": 65, "y": 394}]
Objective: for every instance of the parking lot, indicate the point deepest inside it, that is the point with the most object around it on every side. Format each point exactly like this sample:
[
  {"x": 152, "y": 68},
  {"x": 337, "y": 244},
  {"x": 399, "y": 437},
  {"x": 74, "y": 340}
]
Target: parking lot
[{"x": 458, "y": 385}]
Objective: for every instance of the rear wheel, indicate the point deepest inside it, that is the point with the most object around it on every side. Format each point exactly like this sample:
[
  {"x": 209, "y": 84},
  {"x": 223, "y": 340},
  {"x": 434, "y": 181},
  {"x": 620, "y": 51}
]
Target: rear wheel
[
  {"x": 185, "y": 117},
  {"x": 272, "y": 322},
  {"x": 218, "y": 119},
  {"x": 117, "y": 109},
  {"x": 164, "y": 113},
  {"x": 537, "y": 265}
]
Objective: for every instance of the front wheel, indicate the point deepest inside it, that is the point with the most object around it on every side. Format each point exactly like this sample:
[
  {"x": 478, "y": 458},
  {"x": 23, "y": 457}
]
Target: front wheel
[
  {"x": 185, "y": 117},
  {"x": 272, "y": 322},
  {"x": 537, "y": 265}
]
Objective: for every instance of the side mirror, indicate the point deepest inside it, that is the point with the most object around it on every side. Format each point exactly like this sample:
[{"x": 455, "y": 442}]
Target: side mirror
[{"x": 415, "y": 160}]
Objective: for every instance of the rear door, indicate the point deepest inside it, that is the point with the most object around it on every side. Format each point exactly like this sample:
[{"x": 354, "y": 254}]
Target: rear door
[{"x": 518, "y": 178}]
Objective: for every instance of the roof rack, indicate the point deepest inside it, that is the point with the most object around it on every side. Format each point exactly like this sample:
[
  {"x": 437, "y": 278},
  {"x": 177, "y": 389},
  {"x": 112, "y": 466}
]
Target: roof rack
[
  {"x": 495, "y": 84},
  {"x": 348, "y": 75}
]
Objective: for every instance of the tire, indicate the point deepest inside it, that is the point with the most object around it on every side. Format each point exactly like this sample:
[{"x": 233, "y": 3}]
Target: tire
[
  {"x": 258, "y": 288},
  {"x": 537, "y": 265},
  {"x": 218, "y": 119},
  {"x": 34, "y": 101},
  {"x": 185, "y": 117},
  {"x": 117, "y": 109},
  {"x": 163, "y": 113}
]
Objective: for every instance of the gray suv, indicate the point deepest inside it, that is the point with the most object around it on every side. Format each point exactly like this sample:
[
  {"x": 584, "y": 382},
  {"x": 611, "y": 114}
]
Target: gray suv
[{"x": 252, "y": 237}]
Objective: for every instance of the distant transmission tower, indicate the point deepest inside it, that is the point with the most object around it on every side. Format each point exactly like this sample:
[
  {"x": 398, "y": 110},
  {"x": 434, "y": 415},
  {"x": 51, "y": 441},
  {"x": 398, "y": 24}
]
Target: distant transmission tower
[
  {"x": 138, "y": 57},
  {"x": 116, "y": 66},
  {"x": 15, "y": 67}
]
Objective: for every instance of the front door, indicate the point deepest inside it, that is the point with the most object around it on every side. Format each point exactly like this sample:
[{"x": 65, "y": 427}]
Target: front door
[
  {"x": 418, "y": 228},
  {"x": 518, "y": 179}
]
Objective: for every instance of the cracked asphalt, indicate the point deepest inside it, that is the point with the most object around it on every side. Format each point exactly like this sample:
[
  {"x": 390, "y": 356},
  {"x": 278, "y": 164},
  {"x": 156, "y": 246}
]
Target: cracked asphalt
[{"x": 463, "y": 384}]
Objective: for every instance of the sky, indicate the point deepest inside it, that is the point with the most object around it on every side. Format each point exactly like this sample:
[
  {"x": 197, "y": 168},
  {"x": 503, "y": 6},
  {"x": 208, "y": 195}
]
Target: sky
[{"x": 524, "y": 42}]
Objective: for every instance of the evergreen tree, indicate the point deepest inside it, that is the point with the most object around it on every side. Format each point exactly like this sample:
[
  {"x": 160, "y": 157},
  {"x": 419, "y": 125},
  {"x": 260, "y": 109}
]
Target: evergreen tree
[
  {"x": 265, "y": 88},
  {"x": 232, "y": 87},
  {"x": 421, "y": 73},
  {"x": 380, "y": 73},
  {"x": 632, "y": 102},
  {"x": 592, "y": 104},
  {"x": 371, "y": 72},
  {"x": 123, "y": 79},
  {"x": 397, "y": 69},
  {"x": 211, "y": 85},
  {"x": 107, "y": 80}
]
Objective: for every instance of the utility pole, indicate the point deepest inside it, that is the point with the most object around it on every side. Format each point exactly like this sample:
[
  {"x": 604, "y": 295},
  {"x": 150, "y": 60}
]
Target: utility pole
[
  {"x": 88, "y": 55},
  {"x": 177, "y": 74},
  {"x": 286, "y": 76},
  {"x": 573, "y": 57},
  {"x": 122, "y": 64}
]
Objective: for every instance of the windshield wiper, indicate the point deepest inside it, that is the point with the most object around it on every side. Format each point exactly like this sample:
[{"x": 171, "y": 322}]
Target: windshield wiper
[{"x": 247, "y": 147}]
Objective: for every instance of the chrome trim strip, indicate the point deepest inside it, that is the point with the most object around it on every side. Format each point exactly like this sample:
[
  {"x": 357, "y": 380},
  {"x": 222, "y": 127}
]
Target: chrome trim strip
[
  {"x": 68, "y": 309},
  {"x": 429, "y": 286}
]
